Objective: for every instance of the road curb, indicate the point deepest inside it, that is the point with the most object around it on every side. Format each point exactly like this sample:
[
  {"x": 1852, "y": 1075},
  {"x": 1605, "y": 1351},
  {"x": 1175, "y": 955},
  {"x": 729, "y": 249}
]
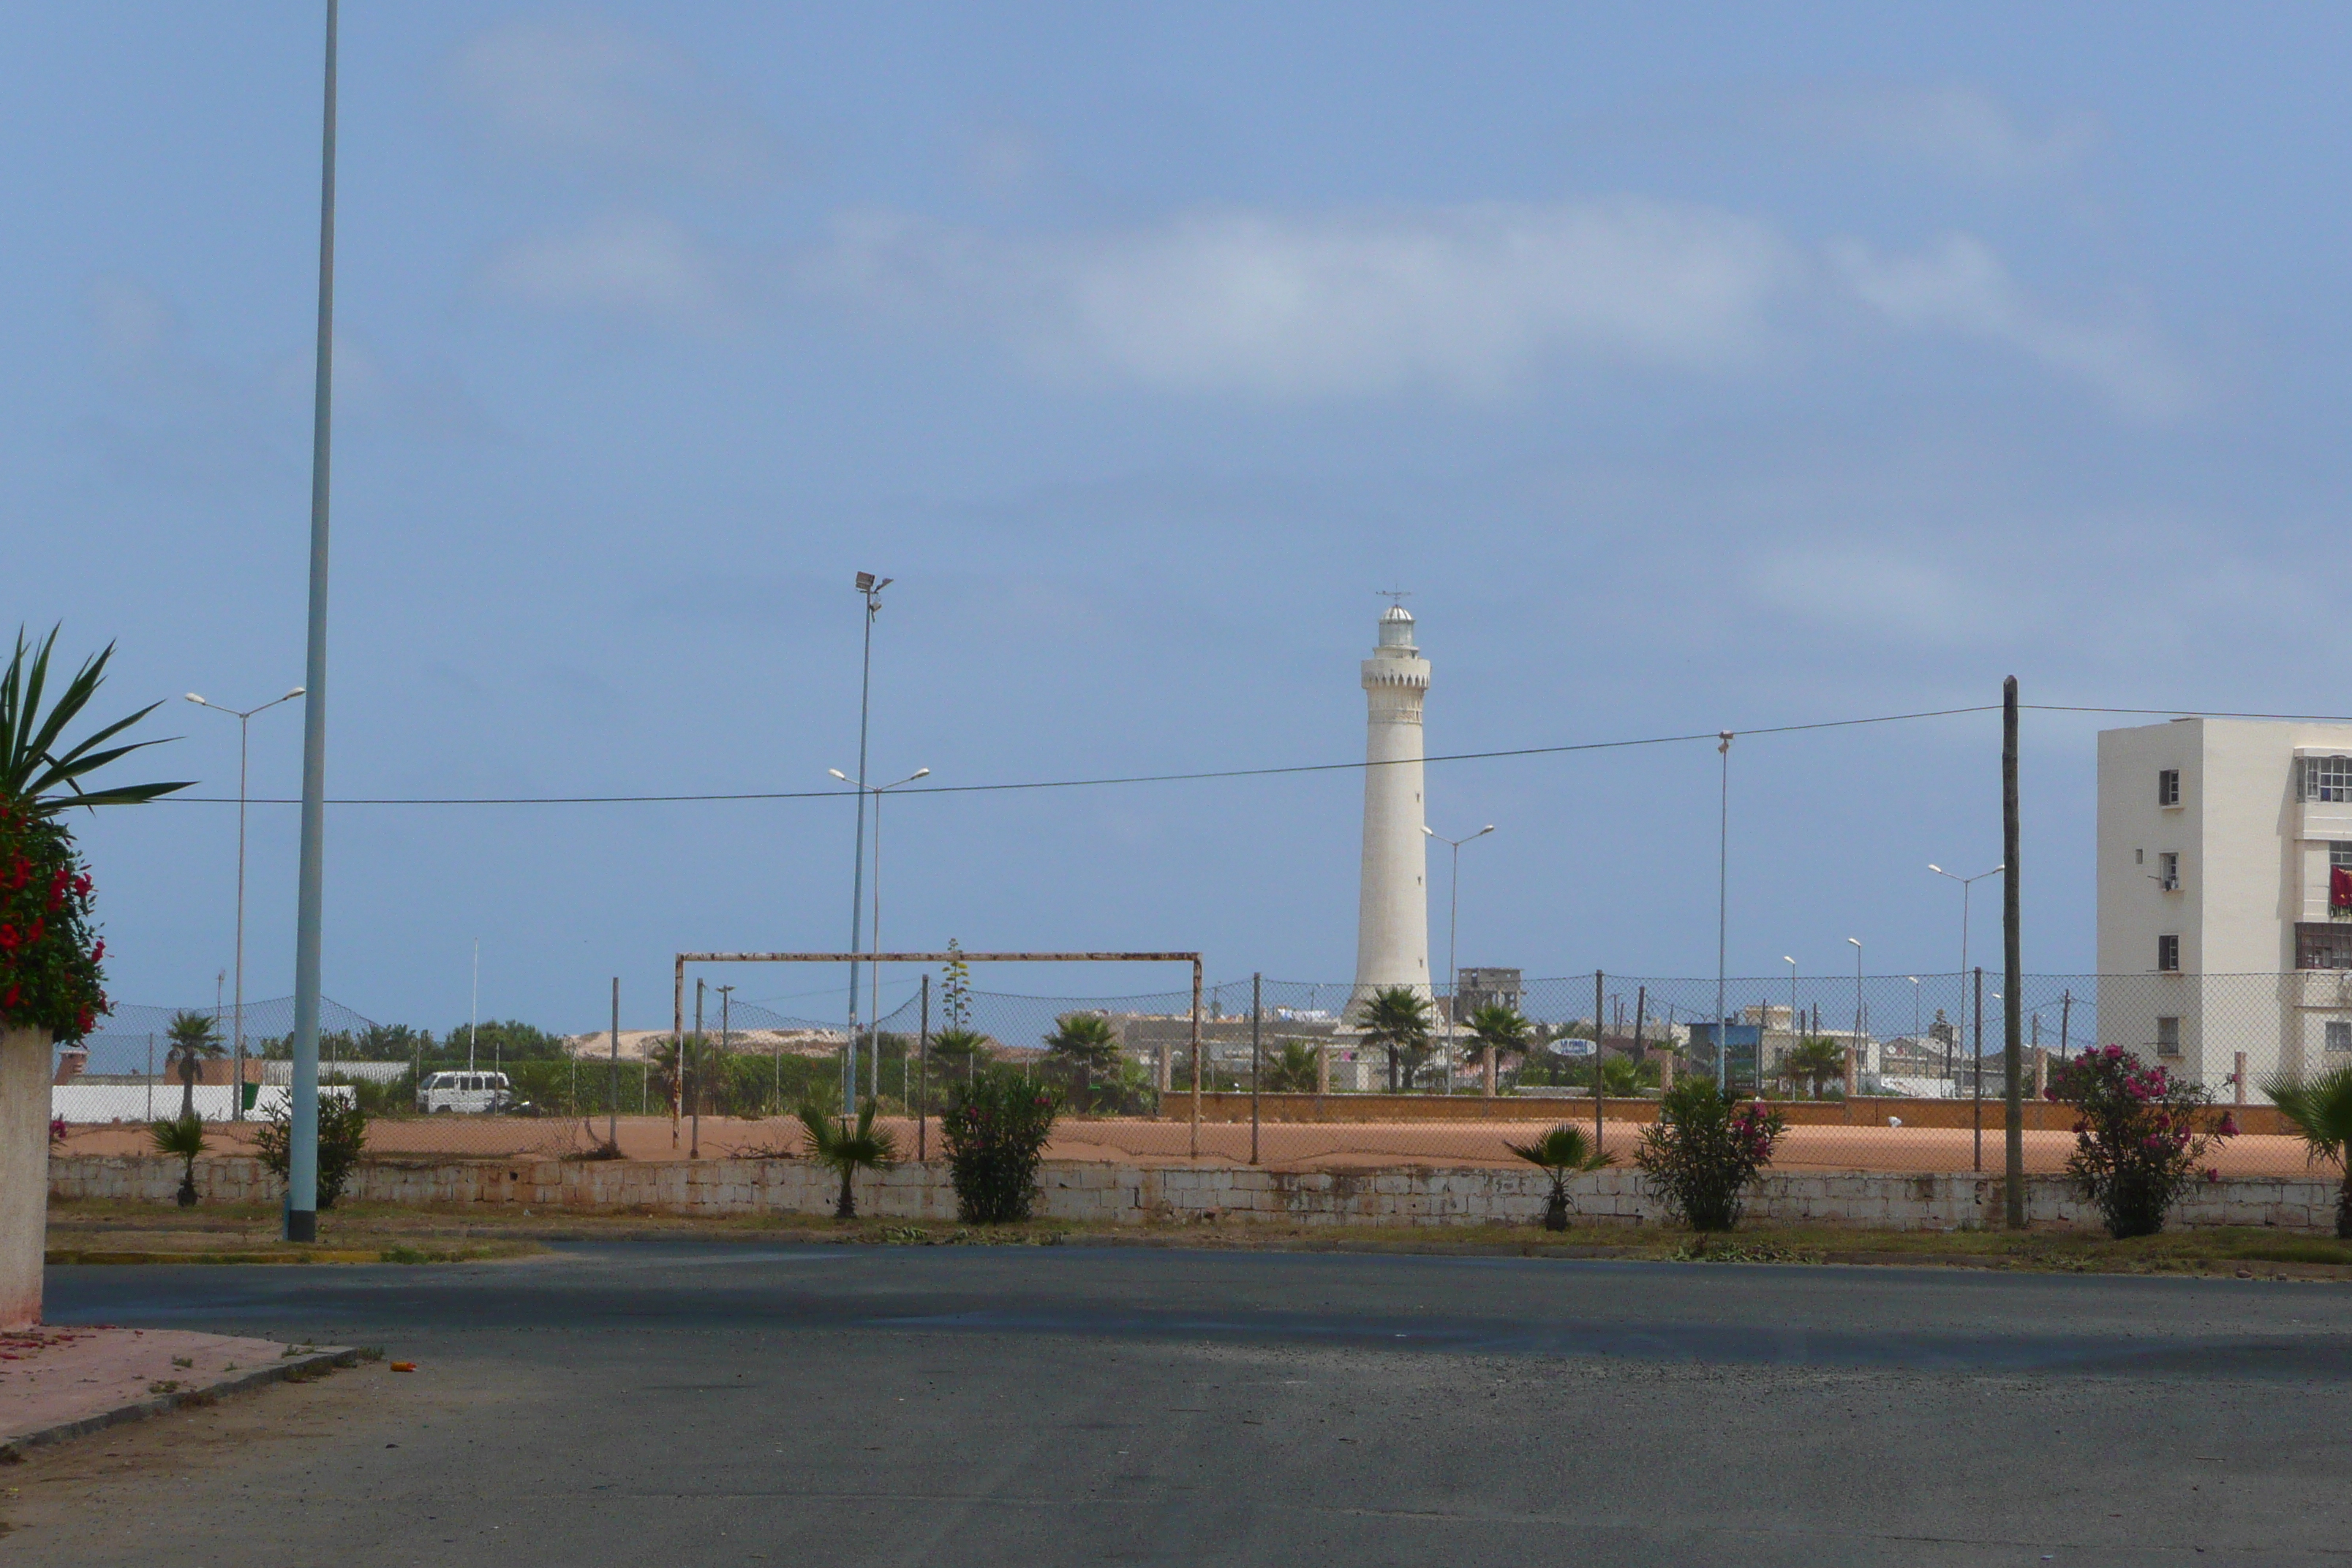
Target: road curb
[{"x": 14, "y": 1447}]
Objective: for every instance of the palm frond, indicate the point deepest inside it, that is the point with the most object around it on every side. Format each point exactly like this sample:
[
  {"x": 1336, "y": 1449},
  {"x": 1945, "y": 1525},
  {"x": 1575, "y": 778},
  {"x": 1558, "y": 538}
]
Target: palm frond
[
  {"x": 2320, "y": 1112},
  {"x": 36, "y": 769}
]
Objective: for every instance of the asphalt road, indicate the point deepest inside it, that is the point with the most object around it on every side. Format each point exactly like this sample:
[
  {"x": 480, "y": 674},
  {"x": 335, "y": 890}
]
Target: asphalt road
[{"x": 736, "y": 1403}]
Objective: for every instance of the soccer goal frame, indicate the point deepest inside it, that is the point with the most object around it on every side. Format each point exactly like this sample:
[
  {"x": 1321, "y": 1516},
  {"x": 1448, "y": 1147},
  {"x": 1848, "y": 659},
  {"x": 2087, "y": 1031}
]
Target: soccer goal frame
[{"x": 922, "y": 1113}]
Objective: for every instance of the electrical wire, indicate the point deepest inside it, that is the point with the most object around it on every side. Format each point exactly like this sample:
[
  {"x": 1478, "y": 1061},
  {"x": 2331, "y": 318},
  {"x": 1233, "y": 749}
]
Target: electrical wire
[{"x": 1284, "y": 770}]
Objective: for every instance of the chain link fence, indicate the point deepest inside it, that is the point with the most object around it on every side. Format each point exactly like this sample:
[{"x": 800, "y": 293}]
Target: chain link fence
[{"x": 1899, "y": 1073}]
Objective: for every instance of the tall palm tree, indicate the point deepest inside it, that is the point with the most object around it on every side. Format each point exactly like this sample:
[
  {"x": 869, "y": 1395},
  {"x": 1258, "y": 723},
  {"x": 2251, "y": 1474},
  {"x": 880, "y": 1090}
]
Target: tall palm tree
[
  {"x": 958, "y": 1050},
  {"x": 1497, "y": 1029},
  {"x": 194, "y": 1038},
  {"x": 834, "y": 1143},
  {"x": 1563, "y": 1152},
  {"x": 2321, "y": 1110},
  {"x": 1813, "y": 1064},
  {"x": 1397, "y": 1020},
  {"x": 1084, "y": 1044}
]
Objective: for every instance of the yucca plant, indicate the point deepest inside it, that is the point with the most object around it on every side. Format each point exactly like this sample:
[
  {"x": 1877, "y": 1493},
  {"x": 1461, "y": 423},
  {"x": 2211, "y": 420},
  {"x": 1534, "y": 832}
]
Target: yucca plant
[
  {"x": 2320, "y": 1109},
  {"x": 34, "y": 772},
  {"x": 835, "y": 1144},
  {"x": 1563, "y": 1152},
  {"x": 182, "y": 1139}
]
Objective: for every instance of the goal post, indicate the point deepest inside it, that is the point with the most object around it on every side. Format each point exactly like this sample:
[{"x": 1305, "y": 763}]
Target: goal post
[{"x": 677, "y": 1000}]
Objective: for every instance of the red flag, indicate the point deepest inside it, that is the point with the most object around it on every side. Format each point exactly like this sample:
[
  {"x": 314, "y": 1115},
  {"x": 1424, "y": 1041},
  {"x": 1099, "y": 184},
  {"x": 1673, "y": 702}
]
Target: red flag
[{"x": 2339, "y": 888}]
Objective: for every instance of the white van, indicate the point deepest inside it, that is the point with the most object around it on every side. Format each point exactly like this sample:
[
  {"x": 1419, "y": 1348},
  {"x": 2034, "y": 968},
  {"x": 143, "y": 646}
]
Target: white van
[{"x": 480, "y": 1093}]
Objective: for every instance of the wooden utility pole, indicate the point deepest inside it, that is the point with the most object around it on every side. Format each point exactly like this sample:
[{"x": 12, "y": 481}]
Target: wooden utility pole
[{"x": 2013, "y": 988}]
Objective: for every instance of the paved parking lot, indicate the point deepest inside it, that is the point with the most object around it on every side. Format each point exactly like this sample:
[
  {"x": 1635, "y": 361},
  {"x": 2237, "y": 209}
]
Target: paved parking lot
[{"x": 733, "y": 1403}]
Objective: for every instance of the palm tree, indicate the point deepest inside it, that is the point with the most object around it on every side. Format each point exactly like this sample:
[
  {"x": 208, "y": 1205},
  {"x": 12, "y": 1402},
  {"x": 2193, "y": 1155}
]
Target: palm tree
[
  {"x": 1495, "y": 1028},
  {"x": 2321, "y": 1110},
  {"x": 1292, "y": 1069},
  {"x": 1563, "y": 1152},
  {"x": 957, "y": 1045},
  {"x": 182, "y": 1139},
  {"x": 1813, "y": 1064},
  {"x": 1086, "y": 1044},
  {"x": 834, "y": 1144},
  {"x": 192, "y": 1038},
  {"x": 1397, "y": 1019}
]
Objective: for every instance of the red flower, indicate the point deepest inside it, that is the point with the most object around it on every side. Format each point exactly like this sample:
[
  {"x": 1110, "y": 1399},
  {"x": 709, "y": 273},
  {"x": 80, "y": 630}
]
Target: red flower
[{"x": 9, "y": 940}]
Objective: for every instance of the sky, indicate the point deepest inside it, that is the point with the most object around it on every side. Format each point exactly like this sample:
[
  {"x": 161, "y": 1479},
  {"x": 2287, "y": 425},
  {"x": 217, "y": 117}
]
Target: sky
[{"x": 1692, "y": 367}]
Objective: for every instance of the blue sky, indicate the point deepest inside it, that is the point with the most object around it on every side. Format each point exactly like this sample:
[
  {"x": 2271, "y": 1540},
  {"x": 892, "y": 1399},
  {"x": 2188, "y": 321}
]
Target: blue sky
[{"x": 1694, "y": 367}]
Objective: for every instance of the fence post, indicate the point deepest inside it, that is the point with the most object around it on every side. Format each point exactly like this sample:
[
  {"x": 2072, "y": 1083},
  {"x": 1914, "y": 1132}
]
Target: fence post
[
  {"x": 1196, "y": 1058},
  {"x": 2240, "y": 1078},
  {"x": 694, "y": 1152},
  {"x": 1977, "y": 1163},
  {"x": 923, "y": 1077},
  {"x": 1257, "y": 1059},
  {"x": 1600, "y": 1052}
]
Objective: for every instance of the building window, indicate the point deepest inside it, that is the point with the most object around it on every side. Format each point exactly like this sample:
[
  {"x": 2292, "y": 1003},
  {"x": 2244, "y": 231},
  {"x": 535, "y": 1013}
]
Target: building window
[
  {"x": 2340, "y": 1035},
  {"x": 2168, "y": 954},
  {"x": 2320, "y": 945},
  {"x": 2167, "y": 870},
  {"x": 2327, "y": 778},
  {"x": 2168, "y": 1037},
  {"x": 2168, "y": 787}
]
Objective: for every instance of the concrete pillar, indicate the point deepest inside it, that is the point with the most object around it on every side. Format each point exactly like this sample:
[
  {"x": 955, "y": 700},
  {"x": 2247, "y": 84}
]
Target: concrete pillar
[
  {"x": 24, "y": 1172},
  {"x": 1393, "y": 911}
]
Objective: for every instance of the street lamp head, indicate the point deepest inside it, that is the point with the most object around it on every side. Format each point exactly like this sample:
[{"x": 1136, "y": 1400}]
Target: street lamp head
[
  {"x": 289, "y": 697},
  {"x": 198, "y": 701},
  {"x": 1786, "y": 960},
  {"x": 837, "y": 773},
  {"x": 866, "y": 582},
  {"x": 1855, "y": 940},
  {"x": 1938, "y": 870},
  {"x": 1484, "y": 831},
  {"x": 918, "y": 774},
  {"x": 1428, "y": 829}
]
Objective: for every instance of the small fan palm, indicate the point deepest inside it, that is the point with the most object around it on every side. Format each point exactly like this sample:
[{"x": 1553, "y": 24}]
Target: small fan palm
[
  {"x": 182, "y": 1139},
  {"x": 1084, "y": 1044},
  {"x": 194, "y": 1038},
  {"x": 1292, "y": 1069},
  {"x": 835, "y": 1144},
  {"x": 1563, "y": 1152},
  {"x": 2321, "y": 1111}
]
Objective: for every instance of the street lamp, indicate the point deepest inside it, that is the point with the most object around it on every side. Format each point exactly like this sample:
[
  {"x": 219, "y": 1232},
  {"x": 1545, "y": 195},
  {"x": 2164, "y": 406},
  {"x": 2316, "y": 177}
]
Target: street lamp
[
  {"x": 1453, "y": 973},
  {"x": 1966, "y": 884},
  {"x": 244, "y": 718},
  {"x": 1795, "y": 1033},
  {"x": 1723, "y": 926},
  {"x": 871, "y": 587},
  {"x": 874, "y": 1022}
]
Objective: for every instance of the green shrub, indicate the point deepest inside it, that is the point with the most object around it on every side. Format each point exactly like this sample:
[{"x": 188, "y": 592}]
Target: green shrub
[
  {"x": 995, "y": 1130},
  {"x": 2141, "y": 1136},
  {"x": 342, "y": 1137},
  {"x": 1705, "y": 1149}
]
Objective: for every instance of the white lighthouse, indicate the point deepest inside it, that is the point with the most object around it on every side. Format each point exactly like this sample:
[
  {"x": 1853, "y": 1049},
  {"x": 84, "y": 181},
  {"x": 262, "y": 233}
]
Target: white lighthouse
[{"x": 1392, "y": 918}]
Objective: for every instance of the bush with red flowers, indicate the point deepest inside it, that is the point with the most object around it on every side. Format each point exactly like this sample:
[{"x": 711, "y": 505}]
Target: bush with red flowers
[
  {"x": 49, "y": 949},
  {"x": 1704, "y": 1148},
  {"x": 995, "y": 1129},
  {"x": 2141, "y": 1136}
]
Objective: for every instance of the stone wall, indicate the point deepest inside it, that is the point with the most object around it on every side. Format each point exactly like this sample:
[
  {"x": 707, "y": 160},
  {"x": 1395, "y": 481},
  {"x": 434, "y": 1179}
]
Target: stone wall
[{"x": 1127, "y": 1195}]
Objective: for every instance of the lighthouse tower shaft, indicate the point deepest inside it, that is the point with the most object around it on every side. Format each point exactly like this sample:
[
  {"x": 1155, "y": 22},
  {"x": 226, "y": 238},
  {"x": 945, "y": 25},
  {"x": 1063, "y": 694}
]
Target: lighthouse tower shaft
[{"x": 1392, "y": 917}]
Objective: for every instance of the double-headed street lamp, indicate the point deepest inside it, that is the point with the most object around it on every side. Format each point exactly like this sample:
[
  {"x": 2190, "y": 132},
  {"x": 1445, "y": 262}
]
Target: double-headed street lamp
[
  {"x": 869, "y": 587},
  {"x": 244, "y": 718},
  {"x": 873, "y": 1023},
  {"x": 1966, "y": 883},
  {"x": 1453, "y": 973}
]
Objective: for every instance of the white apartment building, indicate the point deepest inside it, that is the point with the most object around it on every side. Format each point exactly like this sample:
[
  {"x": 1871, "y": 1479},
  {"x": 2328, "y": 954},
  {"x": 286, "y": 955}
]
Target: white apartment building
[{"x": 2225, "y": 897}]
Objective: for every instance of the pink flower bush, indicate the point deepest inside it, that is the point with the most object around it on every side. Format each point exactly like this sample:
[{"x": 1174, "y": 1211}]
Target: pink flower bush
[{"x": 2140, "y": 1138}]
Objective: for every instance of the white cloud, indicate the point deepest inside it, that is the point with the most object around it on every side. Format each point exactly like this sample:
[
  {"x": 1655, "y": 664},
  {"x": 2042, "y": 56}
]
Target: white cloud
[
  {"x": 1958, "y": 131},
  {"x": 595, "y": 95},
  {"x": 1962, "y": 287},
  {"x": 630, "y": 264},
  {"x": 1465, "y": 298}
]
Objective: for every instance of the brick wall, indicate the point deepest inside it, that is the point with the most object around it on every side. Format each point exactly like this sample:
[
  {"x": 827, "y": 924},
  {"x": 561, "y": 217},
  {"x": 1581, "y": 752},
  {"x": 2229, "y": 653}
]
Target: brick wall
[{"x": 1085, "y": 1190}]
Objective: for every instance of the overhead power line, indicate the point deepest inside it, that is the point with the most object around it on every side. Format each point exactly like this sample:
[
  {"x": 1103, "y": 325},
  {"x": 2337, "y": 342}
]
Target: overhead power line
[{"x": 719, "y": 797}]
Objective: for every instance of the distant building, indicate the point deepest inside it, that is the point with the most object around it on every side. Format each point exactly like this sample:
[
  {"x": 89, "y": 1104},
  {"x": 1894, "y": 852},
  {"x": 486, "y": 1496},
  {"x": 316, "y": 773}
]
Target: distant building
[
  {"x": 1480, "y": 987},
  {"x": 2225, "y": 896}
]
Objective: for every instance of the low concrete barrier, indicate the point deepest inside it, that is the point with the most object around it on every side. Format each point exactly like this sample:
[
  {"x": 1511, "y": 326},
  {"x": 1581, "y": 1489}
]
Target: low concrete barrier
[{"x": 1128, "y": 1194}]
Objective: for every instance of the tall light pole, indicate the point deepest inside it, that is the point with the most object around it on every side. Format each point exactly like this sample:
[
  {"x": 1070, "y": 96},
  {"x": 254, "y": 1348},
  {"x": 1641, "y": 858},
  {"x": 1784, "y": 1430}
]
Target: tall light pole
[
  {"x": 244, "y": 718},
  {"x": 1915, "y": 1013},
  {"x": 870, "y": 587},
  {"x": 874, "y": 1019},
  {"x": 1453, "y": 925},
  {"x": 1723, "y": 927},
  {"x": 1966, "y": 884},
  {"x": 303, "y": 1125}
]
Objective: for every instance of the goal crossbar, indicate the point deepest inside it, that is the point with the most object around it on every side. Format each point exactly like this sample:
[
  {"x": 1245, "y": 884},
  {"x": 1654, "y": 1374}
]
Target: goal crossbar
[{"x": 677, "y": 991}]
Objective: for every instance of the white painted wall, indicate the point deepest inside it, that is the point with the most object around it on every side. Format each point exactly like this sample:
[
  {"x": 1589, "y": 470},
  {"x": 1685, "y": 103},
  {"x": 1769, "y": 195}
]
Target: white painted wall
[{"x": 1392, "y": 908}]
